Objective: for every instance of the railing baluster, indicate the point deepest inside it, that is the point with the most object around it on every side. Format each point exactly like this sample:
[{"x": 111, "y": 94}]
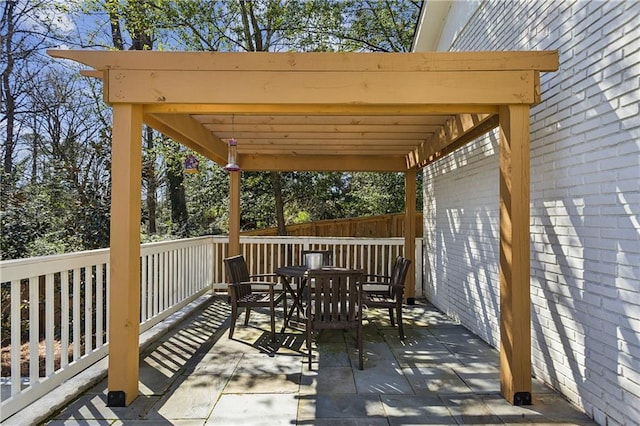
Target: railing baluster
[
  {"x": 64, "y": 319},
  {"x": 34, "y": 325},
  {"x": 160, "y": 263},
  {"x": 156, "y": 285},
  {"x": 200, "y": 265},
  {"x": 180, "y": 272},
  {"x": 108, "y": 301},
  {"x": 144, "y": 289},
  {"x": 172, "y": 262},
  {"x": 76, "y": 314},
  {"x": 170, "y": 279},
  {"x": 99, "y": 305},
  {"x": 88, "y": 310},
  {"x": 167, "y": 276},
  {"x": 186, "y": 265},
  {"x": 50, "y": 323},
  {"x": 16, "y": 334},
  {"x": 152, "y": 291},
  {"x": 174, "y": 290},
  {"x": 193, "y": 269},
  {"x": 175, "y": 273}
]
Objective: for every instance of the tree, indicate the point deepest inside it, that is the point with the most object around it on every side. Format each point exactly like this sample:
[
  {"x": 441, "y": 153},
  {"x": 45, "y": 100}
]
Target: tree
[
  {"x": 27, "y": 29},
  {"x": 250, "y": 26},
  {"x": 55, "y": 159},
  {"x": 53, "y": 182},
  {"x": 380, "y": 25},
  {"x": 140, "y": 20},
  {"x": 267, "y": 25}
]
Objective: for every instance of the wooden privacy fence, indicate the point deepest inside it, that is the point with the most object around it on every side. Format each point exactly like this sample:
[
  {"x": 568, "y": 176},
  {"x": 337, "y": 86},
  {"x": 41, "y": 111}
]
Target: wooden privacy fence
[{"x": 383, "y": 226}]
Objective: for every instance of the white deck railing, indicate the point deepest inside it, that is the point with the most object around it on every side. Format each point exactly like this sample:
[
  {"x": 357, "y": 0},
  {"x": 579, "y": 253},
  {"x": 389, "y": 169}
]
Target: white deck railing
[{"x": 62, "y": 302}]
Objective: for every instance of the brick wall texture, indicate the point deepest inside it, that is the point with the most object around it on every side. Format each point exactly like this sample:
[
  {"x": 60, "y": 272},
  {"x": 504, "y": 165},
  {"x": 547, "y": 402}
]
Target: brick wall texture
[{"x": 585, "y": 203}]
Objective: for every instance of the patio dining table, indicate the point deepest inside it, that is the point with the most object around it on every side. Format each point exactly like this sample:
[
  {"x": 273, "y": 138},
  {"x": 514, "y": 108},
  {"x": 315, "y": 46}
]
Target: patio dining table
[{"x": 289, "y": 274}]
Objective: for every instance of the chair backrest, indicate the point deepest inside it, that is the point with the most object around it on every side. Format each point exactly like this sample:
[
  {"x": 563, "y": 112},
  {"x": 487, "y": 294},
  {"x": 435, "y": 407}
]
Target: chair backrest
[
  {"x": 335, "y": 298},
  {"x": 399, "y": 275},
  {"x": 237, "y": 269},
  {"x": 238, "y": 272},
  {"x": 327, "y": 256}
]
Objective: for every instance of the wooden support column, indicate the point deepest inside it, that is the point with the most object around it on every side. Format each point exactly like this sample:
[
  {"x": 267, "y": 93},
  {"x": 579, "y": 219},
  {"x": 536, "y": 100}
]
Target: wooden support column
[
  {"x": 124, "y": 293},
  {"x": 234, "y": 213},
  {"x": 410, "y": 233},
  {"x": 515, "y": 299}
]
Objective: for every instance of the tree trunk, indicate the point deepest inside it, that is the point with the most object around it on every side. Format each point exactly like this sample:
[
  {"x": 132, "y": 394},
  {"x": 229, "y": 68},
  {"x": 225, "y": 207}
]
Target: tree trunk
[
  {"x": 140, "y": 40},
  {"x": 34, "y": 160},
  {"x": 277, "y": 193},
  {"x": 175, "y": 178},
  {"x": 7, "y": 95},
  {"x": 177, "y": 197},
  {"x": 150, "y": 177},
  {"x": 116, "y": 33}
]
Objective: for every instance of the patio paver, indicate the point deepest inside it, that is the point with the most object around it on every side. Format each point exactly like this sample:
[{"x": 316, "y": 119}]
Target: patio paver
[{"x": 440, "y": 374}]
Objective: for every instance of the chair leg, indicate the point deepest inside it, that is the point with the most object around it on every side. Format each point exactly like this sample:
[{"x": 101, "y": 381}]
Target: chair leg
[
  {"x": 309, "y": 337},
  {"x": 360, "y": 354},
  {"x": 246, "y": 315},
  {"x": 234, "y": 315},
  {"x": 400, "y": 326},
  {"x": 273, "y": 320},
  {"x": 284, "y": 311},
  {"x": 391, "y": 317}
]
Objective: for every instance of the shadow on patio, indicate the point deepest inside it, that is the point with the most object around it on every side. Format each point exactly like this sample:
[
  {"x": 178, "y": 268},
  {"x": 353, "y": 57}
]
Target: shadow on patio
[{"x": 441, "y": 374}]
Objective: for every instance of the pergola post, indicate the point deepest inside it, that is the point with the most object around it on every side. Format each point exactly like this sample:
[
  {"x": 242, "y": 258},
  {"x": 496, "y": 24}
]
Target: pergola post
[
  {"x": 410, "y": 232},
  {"x": 515, "y": 299},
  {"x": 234, "y": 213},
  {"x": 124, "y": 296}
]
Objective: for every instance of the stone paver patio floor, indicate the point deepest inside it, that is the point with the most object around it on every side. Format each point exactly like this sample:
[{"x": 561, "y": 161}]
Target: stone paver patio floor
[{"x": 441, "y": 374}]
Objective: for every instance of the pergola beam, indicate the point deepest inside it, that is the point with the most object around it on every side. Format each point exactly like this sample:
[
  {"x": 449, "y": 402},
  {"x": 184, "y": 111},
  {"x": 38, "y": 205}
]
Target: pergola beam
[
  {"x": 275, "y": 109},
  {"x": 322, "y": 87},
  {"x": 458, "y": 131},
  {"x": 309, "y": 120},
  {"x": 314, "y": 61},
  {"x": 184, "y": 129},
  {"x": 323, "y": 163}
]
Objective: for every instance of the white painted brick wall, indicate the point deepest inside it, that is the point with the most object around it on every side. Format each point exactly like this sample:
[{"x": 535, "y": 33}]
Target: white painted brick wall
[{"x": 585, "y": 203}]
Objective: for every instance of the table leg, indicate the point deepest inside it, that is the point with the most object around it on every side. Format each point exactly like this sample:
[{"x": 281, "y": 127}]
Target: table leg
[{"x": 297, "y": 300}]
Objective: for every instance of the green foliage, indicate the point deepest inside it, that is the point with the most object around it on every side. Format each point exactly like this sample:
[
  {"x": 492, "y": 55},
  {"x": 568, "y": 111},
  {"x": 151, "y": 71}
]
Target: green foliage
[
  {"x": 375, "y": 194},
  {"x": 380, "y": 25},
  {"x": 207, "y": 194},
  {"x": 301, "y": 217},
  {"x": 37, "y": 220}
]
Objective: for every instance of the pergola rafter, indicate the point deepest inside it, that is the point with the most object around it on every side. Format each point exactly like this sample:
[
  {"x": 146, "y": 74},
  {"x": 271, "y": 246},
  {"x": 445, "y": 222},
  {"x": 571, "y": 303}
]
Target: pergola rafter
[{"x": 378, "y": 112}]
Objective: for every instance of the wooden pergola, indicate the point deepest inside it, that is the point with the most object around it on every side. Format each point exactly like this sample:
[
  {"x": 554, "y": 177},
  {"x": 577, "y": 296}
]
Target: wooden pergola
[{"x": 379, "y": 112}]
